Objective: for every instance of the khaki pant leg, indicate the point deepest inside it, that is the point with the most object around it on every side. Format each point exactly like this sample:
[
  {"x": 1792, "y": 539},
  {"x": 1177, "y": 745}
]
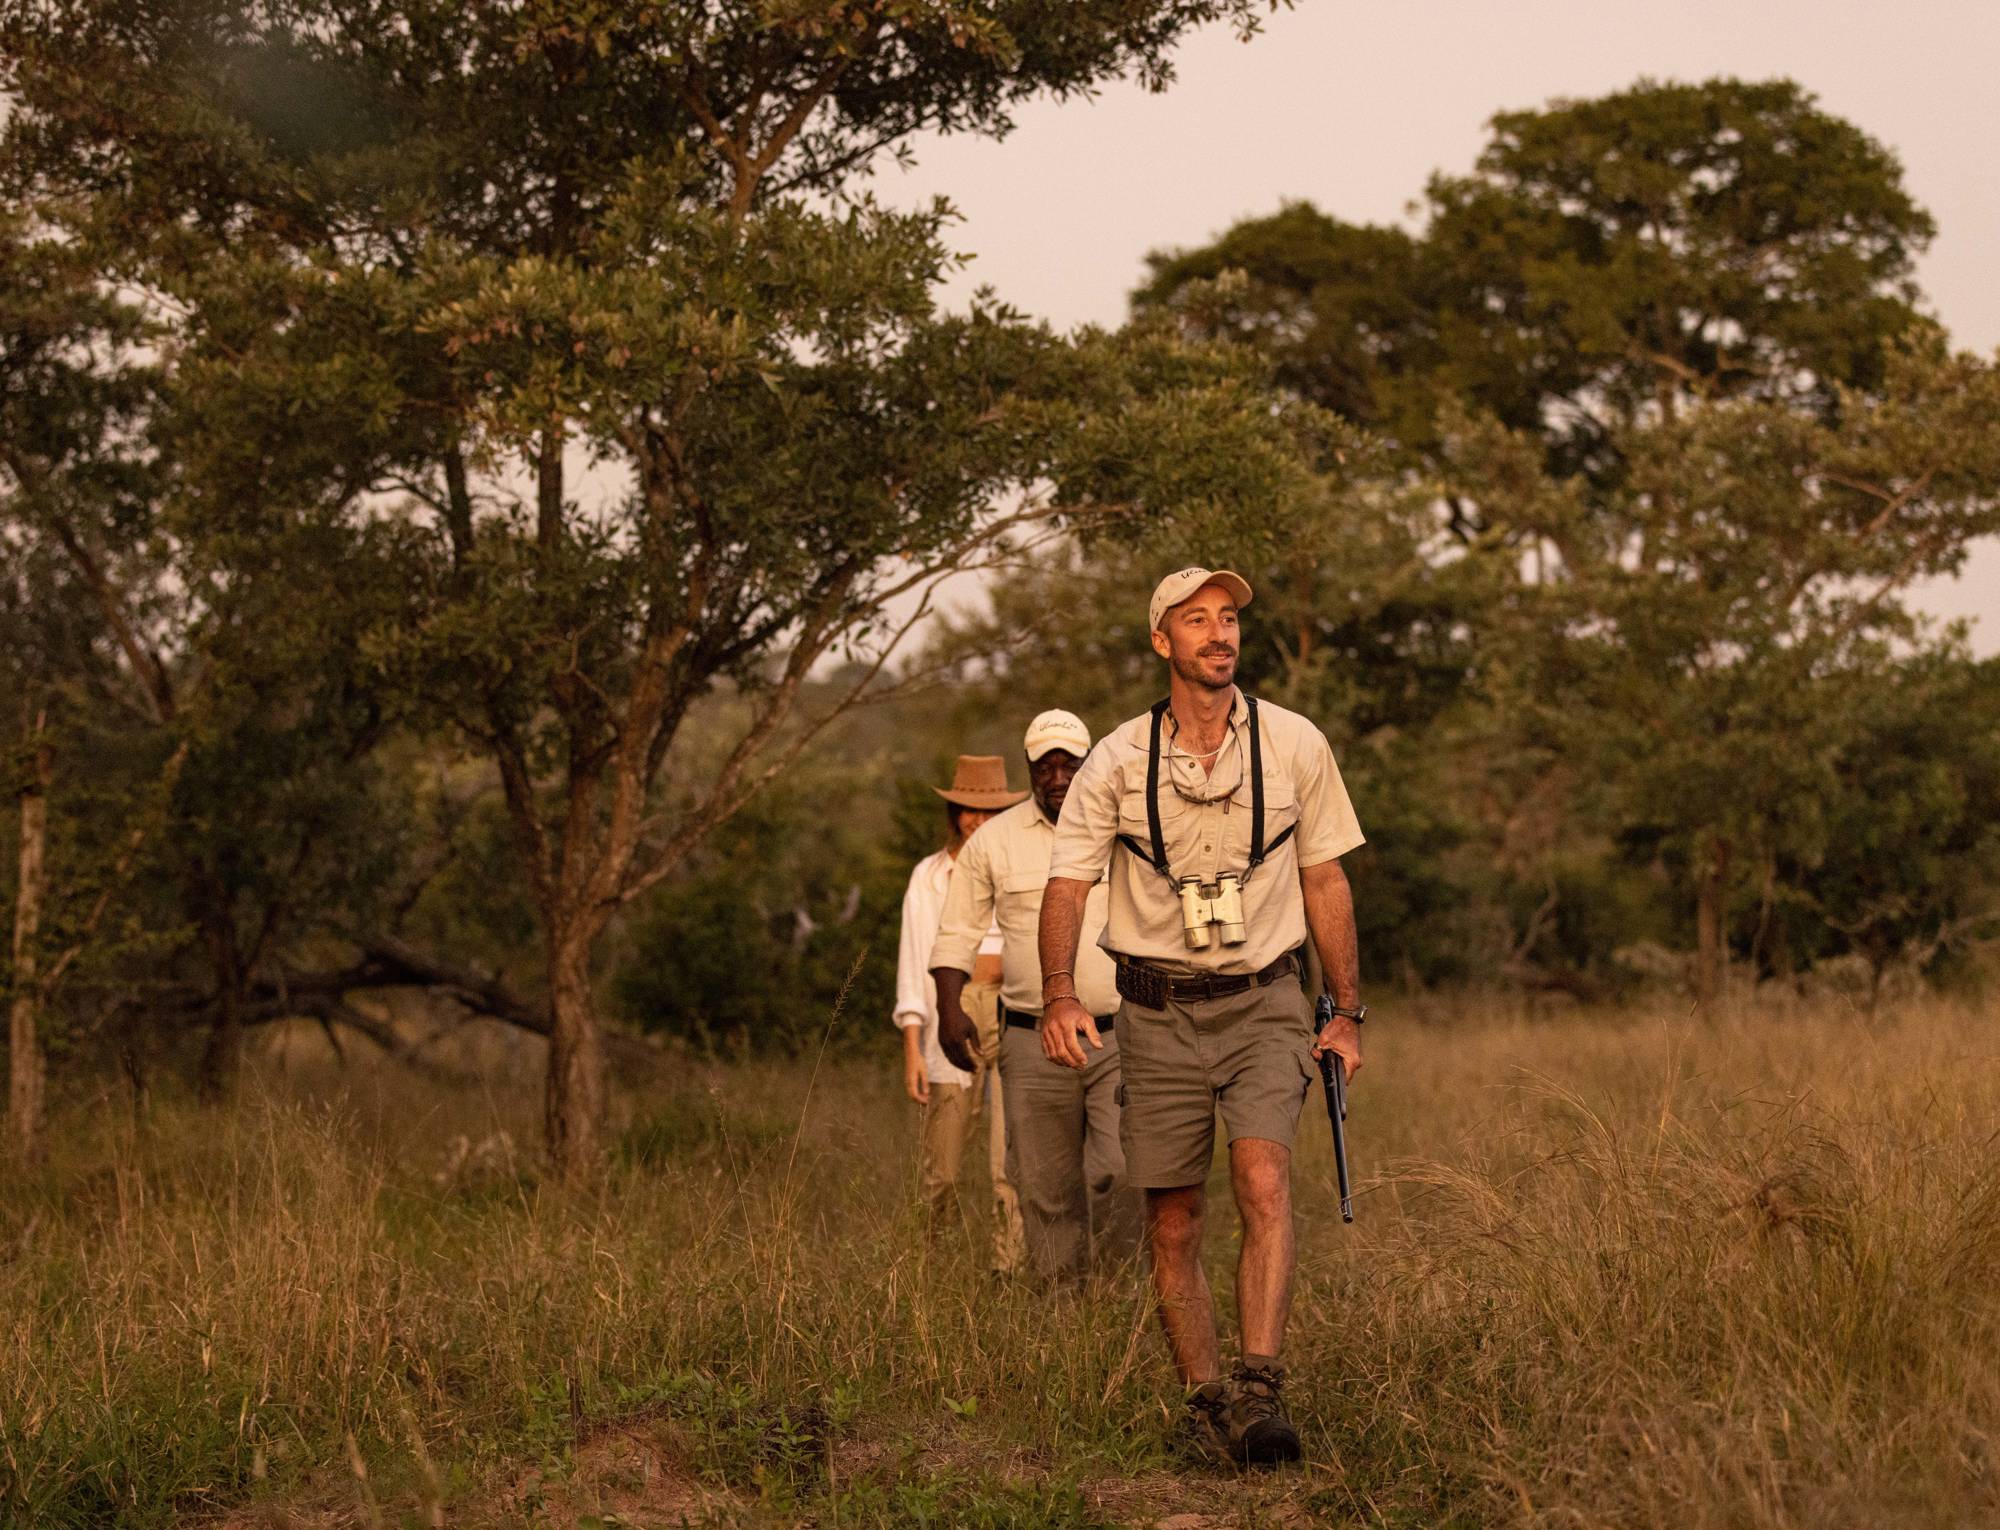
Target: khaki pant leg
[
  {"x": 982, "y": 1005},
  {"x": 1045, "y": 1119},
  {"x": 1117, "y": 1210},
  {"x": 946, "y": 1120}
]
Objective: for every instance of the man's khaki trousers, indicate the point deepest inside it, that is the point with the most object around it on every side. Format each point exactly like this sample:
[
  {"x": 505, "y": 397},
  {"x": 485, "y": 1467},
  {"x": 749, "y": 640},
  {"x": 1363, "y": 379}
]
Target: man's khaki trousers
[
  {"x": 949, "y": 1121},
  {"x": 1069, "y": 1165}
]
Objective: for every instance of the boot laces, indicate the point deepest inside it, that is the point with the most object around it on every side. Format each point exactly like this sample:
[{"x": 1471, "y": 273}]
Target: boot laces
[
  {"x": 1258, "y": 1391},
  {"x": 1209, "y": 1402}
]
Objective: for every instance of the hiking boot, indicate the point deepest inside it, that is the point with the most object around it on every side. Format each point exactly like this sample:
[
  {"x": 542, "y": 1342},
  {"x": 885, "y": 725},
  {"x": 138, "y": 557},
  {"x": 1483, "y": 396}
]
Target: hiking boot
[
  {"x": 1203, "y": 1434},
  {"x": 1259, "y": 1434}
]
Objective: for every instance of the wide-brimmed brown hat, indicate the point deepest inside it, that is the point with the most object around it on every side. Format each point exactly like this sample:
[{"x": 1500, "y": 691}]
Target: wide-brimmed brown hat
[{"x": 980, "y": 782}]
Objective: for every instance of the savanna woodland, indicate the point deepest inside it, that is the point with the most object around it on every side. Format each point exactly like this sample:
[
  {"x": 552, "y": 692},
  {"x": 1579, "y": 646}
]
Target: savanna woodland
[{"x": 501, "y": 532}]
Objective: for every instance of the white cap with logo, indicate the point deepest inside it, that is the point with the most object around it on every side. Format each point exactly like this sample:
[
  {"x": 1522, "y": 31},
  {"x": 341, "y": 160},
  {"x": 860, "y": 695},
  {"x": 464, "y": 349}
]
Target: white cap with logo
[
  {"x": 1057, "y": 730},
  {"x": 1178, "y": 586}
]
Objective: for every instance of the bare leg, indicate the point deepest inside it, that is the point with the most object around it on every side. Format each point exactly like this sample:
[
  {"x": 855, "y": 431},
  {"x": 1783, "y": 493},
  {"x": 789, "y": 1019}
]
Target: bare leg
[
  {"x": 1174, "y": 1221},
  {"x": 1261, "y": 1173}
]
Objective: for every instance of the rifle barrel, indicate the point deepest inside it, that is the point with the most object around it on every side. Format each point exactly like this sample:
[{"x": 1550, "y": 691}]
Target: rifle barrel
[{"x": 1333, "y": 1073}]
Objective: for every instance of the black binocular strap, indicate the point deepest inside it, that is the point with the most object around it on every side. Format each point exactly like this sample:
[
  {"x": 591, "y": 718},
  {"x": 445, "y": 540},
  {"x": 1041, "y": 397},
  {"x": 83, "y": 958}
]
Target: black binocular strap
[
  {"x": 1258, "y": 849},
  {"x": 1158, "y": 859},
  {"x": 1153, "y": 825}
]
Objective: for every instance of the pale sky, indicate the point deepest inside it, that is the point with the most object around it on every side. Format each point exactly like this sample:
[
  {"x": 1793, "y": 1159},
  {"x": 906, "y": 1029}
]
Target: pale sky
[{"x": 1352, "y": 106}]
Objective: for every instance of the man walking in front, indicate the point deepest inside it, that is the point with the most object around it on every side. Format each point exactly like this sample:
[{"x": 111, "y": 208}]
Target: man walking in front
[
  {"x": 1068, "y": 1166},
  {"x": 1219, "y": 822},
  {"x": 954, "y": 1098}
]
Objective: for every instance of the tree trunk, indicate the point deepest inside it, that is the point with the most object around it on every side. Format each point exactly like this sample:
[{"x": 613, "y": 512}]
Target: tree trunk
[
  {"x": 1711, "y": 894},
  {"x": 574, "y": 1107},
  {"x": 24, "y": 1073},
  {"x": 132, "y": 1064},
  {"x": 222, "y": 1059}
]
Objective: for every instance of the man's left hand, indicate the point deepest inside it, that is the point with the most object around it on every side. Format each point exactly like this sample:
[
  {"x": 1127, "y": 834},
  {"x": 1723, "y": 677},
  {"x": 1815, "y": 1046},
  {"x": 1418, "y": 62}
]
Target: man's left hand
[{"x": 1340, "y": 1035}]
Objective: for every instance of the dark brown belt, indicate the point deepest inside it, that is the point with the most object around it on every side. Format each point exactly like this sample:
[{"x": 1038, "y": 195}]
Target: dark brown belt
[
  {"x": 1152, "y": 987},
  {"x": 1022, "y": 1020}
]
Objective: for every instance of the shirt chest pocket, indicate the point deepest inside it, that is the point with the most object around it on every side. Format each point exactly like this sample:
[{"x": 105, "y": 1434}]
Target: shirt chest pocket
[
  {"x": 1281, "y": 816},
  {"x": 1134, "y": 824},
  {"x": 1018, "y": 885}
]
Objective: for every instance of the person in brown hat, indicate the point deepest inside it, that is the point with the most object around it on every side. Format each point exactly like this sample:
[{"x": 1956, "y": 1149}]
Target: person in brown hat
[
  {"x": 1219, "y": 822},
  {"x": 954, "y": 1098}
]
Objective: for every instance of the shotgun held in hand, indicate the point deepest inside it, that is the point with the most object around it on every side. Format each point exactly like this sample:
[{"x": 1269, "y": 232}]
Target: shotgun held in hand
[{"x": 1333, "y": 1073}]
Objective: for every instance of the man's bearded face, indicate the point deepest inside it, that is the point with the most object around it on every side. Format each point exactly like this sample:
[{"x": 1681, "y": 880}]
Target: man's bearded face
[{"x": 1202, "y": 639}]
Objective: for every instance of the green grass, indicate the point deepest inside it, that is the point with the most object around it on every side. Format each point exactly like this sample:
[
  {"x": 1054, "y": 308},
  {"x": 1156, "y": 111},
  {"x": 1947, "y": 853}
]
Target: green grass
[{"x": 1608, "y": 1270}]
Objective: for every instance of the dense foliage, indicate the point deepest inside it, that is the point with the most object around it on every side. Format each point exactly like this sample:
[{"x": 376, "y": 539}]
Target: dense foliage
[{"x": 477, "y": 534}]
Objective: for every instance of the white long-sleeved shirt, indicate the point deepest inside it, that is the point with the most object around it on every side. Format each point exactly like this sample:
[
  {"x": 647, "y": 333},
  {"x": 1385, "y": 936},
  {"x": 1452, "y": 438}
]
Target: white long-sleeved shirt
[{"x": 916, "y": 994}]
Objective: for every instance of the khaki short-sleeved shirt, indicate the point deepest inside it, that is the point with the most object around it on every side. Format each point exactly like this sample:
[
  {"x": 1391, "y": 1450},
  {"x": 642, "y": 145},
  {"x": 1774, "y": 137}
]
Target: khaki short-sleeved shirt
[
  {"x": 1302, "y": 786},
  {"x": 1001, "y": 873}
]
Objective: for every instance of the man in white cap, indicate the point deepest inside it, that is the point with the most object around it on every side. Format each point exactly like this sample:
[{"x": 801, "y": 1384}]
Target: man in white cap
[
  {"x": 1068, "y": 1165},
  {"x": 954, "y": 1098},
  {"x": 1219, "y": 822}
]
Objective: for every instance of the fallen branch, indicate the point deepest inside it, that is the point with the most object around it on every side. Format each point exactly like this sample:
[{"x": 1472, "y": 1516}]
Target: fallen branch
[{"x": 389, "y": 962}]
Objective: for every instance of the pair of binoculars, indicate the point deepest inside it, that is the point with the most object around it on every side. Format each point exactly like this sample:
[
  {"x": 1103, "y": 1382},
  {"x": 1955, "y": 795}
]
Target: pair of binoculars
[{"x": 1206, "y": 905}]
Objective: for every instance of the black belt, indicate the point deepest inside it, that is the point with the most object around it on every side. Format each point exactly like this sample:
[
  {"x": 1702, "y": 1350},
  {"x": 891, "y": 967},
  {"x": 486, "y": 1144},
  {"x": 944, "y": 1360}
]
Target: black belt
[
  {"x": 1022, "y": 1020},
  {"x": 1151, "y": 987}
]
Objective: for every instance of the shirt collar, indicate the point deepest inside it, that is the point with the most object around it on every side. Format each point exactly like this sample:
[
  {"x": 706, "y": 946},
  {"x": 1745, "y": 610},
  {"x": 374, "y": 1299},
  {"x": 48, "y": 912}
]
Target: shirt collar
[{"x": 1239, "y": 712}]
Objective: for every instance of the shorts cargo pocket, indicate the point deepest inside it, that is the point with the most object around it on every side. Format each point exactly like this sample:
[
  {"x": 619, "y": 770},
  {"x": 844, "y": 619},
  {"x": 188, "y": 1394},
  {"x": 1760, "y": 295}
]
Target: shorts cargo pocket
[{"x": 1309, "y": 1070}]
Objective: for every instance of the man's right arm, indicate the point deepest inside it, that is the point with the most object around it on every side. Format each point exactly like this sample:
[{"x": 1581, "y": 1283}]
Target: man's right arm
[{"x": 968, "y": 915}]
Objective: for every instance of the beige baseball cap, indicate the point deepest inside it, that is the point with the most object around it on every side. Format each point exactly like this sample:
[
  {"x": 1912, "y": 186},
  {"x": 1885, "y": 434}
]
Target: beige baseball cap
[
  {"x": 1057, "y": 730},
  {"x": 1178, "y": 586}
]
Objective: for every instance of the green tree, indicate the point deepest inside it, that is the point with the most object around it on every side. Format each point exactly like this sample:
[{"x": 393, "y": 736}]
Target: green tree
[
  {"x": 1605, "y": 259},
  {"x": 1898, "y": 858},
  {"x": 219, "y": 717},
  {"x": 81, "y": 589},
  {"x": 513, "y": 245},
  {"x": 1624, "y": 255},
  {"x": 1349, "y": 315},
  {"x": 1712, "y": 638}
]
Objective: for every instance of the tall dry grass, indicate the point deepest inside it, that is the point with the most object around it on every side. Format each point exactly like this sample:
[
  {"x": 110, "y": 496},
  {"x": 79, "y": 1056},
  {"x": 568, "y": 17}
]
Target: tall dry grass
[{"x": 1609, "y": 1269}]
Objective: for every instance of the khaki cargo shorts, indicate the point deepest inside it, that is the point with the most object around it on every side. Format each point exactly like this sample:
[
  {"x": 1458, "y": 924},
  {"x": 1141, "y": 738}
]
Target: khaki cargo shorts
[{"x": 1249, "y": 1053}]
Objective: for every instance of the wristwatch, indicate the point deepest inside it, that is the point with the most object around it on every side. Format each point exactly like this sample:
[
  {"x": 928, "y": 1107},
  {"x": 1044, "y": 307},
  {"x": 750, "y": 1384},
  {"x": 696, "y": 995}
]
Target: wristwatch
[{"x": 1359, "y": 1014}]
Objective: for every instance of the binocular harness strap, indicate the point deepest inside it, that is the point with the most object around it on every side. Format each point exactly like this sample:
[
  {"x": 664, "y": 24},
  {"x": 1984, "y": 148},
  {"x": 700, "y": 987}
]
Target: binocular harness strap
[
  {"x": 1158, "y": 858},
  {"x": 1258, "y": 849}
]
